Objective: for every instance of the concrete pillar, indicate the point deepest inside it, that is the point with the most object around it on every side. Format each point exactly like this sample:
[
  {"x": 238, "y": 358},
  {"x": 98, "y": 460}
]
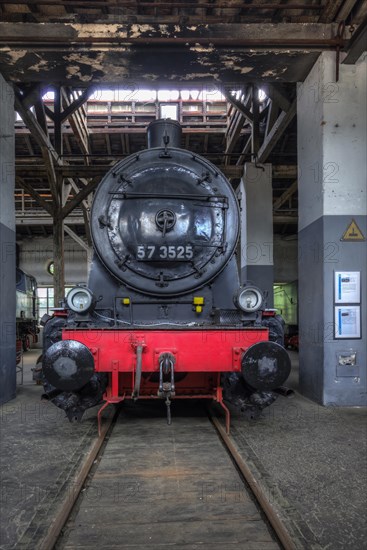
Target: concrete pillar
[
  {"x": 256, "y": 241},
  {"x": 7, "y": 245},
  {"x": 90, "y": 254},
  {"x": 332, "y": 193}
]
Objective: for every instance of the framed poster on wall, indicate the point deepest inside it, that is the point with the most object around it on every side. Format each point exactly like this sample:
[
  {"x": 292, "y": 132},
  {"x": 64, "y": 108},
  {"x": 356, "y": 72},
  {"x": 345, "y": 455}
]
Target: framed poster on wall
[
  {"x": 347, "y": 322},
  {"x": 347, "y": 287}
]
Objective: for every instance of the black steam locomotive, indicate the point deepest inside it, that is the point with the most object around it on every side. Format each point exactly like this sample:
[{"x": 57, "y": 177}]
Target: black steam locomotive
[{"x": 164, "y": 314}]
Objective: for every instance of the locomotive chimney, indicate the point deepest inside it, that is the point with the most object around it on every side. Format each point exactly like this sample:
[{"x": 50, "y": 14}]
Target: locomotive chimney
[{"x": 164, "y": 132}]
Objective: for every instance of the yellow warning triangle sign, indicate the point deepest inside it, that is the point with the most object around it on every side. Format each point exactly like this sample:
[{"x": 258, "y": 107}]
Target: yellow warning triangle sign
[{"x": 353, "y": 233}]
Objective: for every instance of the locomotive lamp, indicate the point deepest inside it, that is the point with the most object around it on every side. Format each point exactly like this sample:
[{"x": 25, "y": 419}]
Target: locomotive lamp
[
  {"x": 80, "y": 299},
  {"x": 249, "y": 299}
]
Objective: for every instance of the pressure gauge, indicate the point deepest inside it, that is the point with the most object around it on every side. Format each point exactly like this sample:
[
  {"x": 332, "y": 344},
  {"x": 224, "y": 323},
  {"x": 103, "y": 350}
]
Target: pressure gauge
[
  {"x": 249, "y": 299},
  {"x": 80, "y": 299}
]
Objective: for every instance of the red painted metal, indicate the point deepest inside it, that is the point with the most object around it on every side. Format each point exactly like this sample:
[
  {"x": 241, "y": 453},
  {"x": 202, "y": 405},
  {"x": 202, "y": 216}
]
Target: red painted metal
[
  {"x": 200, "y": 358},
  {"x": 195, "y": 350},
  {"x": 219, "y": 399},
  {"x": 269, "y": 313},
  {"x": 60, "y": 312},
  {"x": 216, "y": 396}
]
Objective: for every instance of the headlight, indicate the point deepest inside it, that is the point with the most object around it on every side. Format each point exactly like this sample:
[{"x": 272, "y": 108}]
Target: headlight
[
  {"x": 249, "y": 299},
  {"x": 79, "y": 299}
]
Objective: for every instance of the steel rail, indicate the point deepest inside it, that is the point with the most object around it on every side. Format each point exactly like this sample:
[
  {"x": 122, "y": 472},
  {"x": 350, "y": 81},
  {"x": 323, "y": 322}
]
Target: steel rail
[
  {"x": 272, "y": 515},
  {"x": 62, "y": 516}
]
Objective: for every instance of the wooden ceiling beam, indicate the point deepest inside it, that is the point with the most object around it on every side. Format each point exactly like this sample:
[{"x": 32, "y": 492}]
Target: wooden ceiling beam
[
  {"x": 92, "y": 130},
  {"x": 231, "y": 5},
  {"x": 34, "y": 219},
  {"x": 76, "y": 237},
  {"x": 77, "y": 120},
  {"x": 345, "y": 10},
  {"x": 69, "y": 35},
  {"x": 330, "y": 11},
  {"x": 241, "y": 107},
  {"x": 38, "y": 128},
  {"x": 79, "y": 197},
  {"x": 34, "y": 126},
  {"x": 272, "y": 116},
  {"x": 282, "y": 123},
  {"x": 29, "y": 145},
  {"x": 277, "y": 94},
  {"x": 292, "y": 189},
  {"x": 76, "y": 104},
  {"x": 284, "y": 171},
  {"x": 35, "y": 195},
  {"x": 357, "y": 44},
  {"x": 76, "y": 171}
]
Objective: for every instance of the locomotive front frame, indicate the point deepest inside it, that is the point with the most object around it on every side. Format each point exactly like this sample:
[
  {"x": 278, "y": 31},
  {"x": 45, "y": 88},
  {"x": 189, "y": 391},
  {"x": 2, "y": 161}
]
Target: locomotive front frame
[{"x": 199, "y": 356}]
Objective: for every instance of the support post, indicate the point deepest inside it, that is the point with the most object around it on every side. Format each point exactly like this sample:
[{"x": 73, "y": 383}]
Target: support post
[
  {"x": 255, "y": 134},
  {"x": 256, "y": 201},
  {"x": 57, "y": 121},
  {"x": 332, "y": 128},
  {"x": 58, "y": 242},
  {"x": 7, "y": 246}
]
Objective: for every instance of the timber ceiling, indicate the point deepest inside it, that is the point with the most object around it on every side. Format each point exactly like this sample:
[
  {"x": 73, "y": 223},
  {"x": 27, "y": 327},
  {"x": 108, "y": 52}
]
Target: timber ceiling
[
  {"x": 181, "y": 12},
  {"x": 81, "y": 42},
  {"x": 225, "y": 128},
  {"x": 73, "y": 46}
]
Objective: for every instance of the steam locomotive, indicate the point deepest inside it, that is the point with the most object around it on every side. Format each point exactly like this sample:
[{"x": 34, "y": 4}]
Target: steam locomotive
[{"x": 164, "y": 315}]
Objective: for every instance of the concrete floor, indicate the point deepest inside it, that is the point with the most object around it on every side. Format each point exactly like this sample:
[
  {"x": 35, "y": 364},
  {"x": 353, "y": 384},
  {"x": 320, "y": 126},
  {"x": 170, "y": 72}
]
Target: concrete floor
[
  {"x": 313, "y": 463},
  {"x": 310, "y": 460},
  {"x": 40, "y": 452}
]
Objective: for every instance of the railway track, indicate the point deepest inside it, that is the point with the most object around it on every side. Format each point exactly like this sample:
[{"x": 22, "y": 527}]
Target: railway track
[{"x": 148, "y": 484}]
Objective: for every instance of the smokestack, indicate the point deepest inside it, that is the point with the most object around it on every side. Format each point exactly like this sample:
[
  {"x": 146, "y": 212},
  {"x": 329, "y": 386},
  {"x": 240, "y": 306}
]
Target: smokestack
[{"x": 164, "y": 132}]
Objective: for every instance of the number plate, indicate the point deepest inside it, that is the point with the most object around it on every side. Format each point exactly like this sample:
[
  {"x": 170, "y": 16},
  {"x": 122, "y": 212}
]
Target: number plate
[{"x": 164, "y": 252}]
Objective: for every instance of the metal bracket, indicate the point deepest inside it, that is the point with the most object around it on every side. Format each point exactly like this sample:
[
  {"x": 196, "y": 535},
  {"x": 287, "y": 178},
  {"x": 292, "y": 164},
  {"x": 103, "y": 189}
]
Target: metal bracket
[
  {"x": 339, "y": 36},
  {"x": 237, "y": 358},
  {"x": 167, "y": 389}
]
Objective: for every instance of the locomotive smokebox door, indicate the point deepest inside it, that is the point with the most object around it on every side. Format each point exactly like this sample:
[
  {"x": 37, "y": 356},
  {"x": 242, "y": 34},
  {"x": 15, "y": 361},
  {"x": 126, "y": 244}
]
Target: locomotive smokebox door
[
  {"x": 165, "y": 221},
  {"x": 265, "y": 366},
  {"x": 68, "y": 365}
]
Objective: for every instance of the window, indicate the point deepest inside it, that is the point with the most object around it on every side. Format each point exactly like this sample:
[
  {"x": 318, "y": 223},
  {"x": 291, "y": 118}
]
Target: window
[
  {"x": 51, "y": 268},
  {"x": 45, "y": 297},
  {"x": 169, "y": 111}
]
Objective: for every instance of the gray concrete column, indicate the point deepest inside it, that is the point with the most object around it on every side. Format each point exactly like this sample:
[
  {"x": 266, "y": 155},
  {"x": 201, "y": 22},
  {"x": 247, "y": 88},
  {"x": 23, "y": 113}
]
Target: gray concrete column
[
  {"x": 90, "y": 254},
  {"x": 332, "y": 133},
  {"x": 256, "y": 240},
  {"x": 7, "y": 245}
]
